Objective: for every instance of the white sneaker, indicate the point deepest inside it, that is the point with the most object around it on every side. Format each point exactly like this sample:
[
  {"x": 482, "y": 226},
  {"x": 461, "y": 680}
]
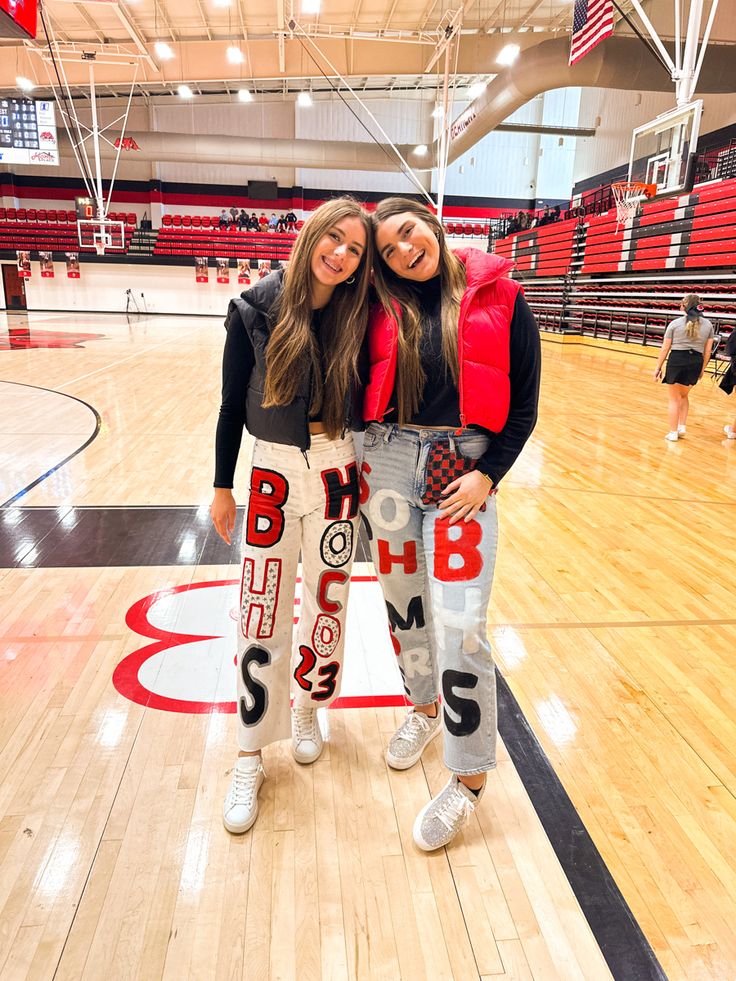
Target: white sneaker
[
  {"x": 730, "y": 432},
  {"x": 439, "y": 821},
  {"x": 673, "y": 436},
  {"x": 306, "y": 735},
  {"x": 681, "y": 430},
  {"x": 411, "y": 739},
  {"x": 240, "y": 809}
]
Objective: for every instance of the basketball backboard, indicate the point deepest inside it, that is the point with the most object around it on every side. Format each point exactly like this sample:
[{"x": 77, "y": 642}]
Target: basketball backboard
[
  {"x": 103, "y": 236},
  {"x": 662, "y": 150}
]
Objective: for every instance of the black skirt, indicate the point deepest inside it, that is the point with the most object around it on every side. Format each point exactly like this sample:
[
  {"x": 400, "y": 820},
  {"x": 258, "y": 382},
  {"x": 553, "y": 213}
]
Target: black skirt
[{"x": 683, "y": 368}]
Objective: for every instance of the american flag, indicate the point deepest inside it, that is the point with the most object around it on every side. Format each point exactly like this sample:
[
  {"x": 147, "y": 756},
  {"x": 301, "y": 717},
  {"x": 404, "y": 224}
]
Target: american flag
[{"x": 591, "y": 23}]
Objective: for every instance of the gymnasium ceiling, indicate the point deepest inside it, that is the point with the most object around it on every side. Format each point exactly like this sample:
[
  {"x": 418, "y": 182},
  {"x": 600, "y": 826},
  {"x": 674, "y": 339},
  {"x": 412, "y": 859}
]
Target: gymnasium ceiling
[{"x": 379, "y": 46}]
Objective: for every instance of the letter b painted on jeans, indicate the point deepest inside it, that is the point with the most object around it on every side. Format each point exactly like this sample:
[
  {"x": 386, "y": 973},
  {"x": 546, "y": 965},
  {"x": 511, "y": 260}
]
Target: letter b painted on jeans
[
  {"x": 464, "y": 546},
  {"x": 265, "y": 521}
]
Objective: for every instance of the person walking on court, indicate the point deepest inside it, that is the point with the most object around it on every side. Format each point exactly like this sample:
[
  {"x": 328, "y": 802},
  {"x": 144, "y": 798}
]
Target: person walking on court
[
  {"x": 289, "y": 372},
  {"x": 728, "y": 382},
  {"x": 450, "y": 401},
  {"x": 686, "y": 346}
]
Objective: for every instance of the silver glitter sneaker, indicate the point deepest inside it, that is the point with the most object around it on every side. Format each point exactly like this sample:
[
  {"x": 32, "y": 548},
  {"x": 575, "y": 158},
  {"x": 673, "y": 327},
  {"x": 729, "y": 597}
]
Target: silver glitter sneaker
[
  {"x": 411, "y": 739},
  {"x": 306, "y": 735},
  {"x": 439, "y": 821},
  {"x": 240, "y": 808}
]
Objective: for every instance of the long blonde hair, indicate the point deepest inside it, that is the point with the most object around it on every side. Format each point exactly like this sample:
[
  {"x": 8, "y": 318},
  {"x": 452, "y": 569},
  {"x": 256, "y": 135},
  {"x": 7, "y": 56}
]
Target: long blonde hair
[
  {"x": 410, "y": 377},
  {"x": 692, "y": 327},
  {"x": 293, "y": 348}
]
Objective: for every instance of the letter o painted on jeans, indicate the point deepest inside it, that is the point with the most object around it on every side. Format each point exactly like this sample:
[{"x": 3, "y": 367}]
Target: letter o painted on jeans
[
  {"x": 401, "y": 513},
  {"x": 336, "y": 546}
]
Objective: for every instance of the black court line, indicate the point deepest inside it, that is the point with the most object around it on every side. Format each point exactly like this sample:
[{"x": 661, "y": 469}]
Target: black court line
[
  {"x": 627, "y": 951},
  {"x": 98, "y": 423},
  {"x": 68, "y": 537}
]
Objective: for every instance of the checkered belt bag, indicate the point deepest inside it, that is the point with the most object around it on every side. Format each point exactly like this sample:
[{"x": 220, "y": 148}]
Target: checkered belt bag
[{"x": 444, "y": 466}]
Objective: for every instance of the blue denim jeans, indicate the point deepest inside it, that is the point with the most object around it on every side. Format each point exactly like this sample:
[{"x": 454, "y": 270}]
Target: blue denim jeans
[{"x": 436, "y": 580}]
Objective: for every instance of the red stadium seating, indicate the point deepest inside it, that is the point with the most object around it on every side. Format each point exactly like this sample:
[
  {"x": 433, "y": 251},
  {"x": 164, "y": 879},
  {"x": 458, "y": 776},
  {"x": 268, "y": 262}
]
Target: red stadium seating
[{"x": 166, "y": 221}]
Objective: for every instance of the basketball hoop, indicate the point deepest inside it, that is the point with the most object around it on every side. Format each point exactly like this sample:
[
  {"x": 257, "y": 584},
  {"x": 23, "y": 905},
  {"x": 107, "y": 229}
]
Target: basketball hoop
[{"x": 628, "y": 195}]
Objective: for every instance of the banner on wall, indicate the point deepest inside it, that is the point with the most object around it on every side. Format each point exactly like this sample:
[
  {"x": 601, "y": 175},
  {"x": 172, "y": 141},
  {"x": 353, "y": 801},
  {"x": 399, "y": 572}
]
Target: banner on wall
[
  {"x": 24, "y": 264},
  {"x": 47, "y": 265},
  {"x": 223, "y": 270},
  {"x": 244, "y": 271},
  {"x": 201, "y": 273},
  {"x": 264, "y": 267},
  {"x": 72, "y": 265}
]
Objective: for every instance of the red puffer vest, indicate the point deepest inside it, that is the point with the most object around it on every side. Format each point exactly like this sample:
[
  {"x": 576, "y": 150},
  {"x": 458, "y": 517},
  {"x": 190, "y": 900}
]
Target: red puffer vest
[{"x": 486, "y": 310}]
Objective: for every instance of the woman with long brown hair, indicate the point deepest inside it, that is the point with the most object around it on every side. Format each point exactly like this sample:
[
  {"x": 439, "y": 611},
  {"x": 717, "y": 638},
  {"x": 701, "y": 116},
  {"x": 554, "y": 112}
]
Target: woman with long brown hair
[
  {"x": 687, "y": 344},
  {"x": 450, "y": 402},
  {"x": 289, "y": 376}
]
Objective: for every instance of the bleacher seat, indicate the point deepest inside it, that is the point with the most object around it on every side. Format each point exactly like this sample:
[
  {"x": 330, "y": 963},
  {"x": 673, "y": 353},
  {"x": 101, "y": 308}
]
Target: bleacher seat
[
  {"x": 206, "y": 221},
  {"x": 12, "y": 214},
  {"x": 176, "y": 220},
  {"x": 51, "y": 215},
  {"x": 186, "y": 221},
  {"x": 22, "y": 214},
  {"x": 196, "y": 221},
  {"x": 166, "y": 221}
]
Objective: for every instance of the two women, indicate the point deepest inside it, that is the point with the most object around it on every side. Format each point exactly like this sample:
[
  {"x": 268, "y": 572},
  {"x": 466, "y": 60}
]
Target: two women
[
  {"x": 686, "y": 346},
  {"x": 289, "y": 372},
  {"x": 450, "y": 399}
]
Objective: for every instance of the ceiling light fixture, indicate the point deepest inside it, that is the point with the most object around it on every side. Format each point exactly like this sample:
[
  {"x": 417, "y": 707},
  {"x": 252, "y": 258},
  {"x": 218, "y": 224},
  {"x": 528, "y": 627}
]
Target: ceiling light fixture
[
  {"x": 24, "y": 83},
  {"x": 222, "y": 3},
  {"x": 234, "y": 55},
  {"x": 310, "y": 6},
  {"x": 508, "y": 55},
  {"x": 304, "y": 99},
  {"x": 185, "y": 92},
  {"x": 245, "y": 95},
  {"x": 477, "y": 89},
  {"x": 438, "y": 113},
  {"x": 421, "y": 150},
  {"x": 163, "y": 51}
]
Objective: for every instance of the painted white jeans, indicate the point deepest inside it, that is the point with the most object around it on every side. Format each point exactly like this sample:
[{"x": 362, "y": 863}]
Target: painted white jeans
[{"x": 296, "y": 502}]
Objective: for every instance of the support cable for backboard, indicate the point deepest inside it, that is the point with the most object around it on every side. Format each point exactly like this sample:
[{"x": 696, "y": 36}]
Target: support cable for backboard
[
  {"x": 65, "y": 114},
  {"x": 294, "y": 27},
  {"x": 644, "y": 40}
]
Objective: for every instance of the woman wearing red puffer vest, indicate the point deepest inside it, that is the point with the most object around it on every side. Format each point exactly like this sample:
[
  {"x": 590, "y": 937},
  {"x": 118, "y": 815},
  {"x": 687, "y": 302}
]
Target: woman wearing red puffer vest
[{"x": 450, "y": 401}]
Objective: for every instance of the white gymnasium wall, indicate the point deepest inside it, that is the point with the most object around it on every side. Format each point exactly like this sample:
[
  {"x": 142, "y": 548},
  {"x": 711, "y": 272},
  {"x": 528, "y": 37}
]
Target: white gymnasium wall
[
  {"x": 101, "y": 288},
  {"x": 556, "y": 155},
  {"x": 502, "y": 165},
  {"x": 271, "y": 119},
  {"x": 620, "y": 113},
  {"x": 405, "y": 120}
]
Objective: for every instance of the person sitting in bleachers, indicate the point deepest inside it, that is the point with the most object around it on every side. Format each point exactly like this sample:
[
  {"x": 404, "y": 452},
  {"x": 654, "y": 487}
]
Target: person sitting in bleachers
[
  {"x": 513, "y": 226},
  {"x": 281, "y": 224},
  {"x": 273, "y": 222},
  {"x": 556, "y": 213},
  {"x": 224, "y": 219},
  {"x": 253, "y": 225},
  {"x": 545, "y": 219},
  {"x": 234, "y": 215},
  {"x": 262, "y": 222},
  {"x": 242, "y": 220}
]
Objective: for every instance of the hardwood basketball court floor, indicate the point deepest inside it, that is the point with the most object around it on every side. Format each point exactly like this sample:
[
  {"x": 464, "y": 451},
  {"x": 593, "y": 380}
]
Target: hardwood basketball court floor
[{"x": 605, "y": 843}]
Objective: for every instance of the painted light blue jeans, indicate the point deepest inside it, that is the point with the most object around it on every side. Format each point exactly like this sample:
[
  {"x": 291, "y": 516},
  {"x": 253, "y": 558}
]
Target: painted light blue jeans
[{"x": 436, "y": 580}]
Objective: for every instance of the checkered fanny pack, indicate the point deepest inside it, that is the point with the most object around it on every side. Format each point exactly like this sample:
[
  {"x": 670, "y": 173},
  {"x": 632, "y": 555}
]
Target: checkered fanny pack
[{"x": 444, "y": 466}]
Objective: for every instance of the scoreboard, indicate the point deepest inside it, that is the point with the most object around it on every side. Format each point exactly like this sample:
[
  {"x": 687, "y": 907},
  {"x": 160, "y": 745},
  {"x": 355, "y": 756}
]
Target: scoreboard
[{"x": 28, "y": 132}]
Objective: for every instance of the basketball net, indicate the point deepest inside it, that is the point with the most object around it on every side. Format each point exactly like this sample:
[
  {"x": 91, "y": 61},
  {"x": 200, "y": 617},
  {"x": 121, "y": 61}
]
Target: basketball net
[{"x": 628, "y": 195}]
